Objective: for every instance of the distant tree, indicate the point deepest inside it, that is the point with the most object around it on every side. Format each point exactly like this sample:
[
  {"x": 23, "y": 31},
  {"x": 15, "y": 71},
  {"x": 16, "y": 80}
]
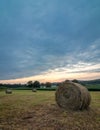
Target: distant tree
[
  {"x": 42, "y": 84},
  {"x": 48, "y": 85},
  {"x": 1, "y": 84},
  {"x": 75, "y": 81},
  {"x": 30, "y": 84},
  {"x": 36, "y": 84}
]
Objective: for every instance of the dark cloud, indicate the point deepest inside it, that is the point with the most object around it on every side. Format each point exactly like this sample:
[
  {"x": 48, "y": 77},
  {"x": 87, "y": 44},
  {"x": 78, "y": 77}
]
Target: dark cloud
[{"x": 37, "y": 36}]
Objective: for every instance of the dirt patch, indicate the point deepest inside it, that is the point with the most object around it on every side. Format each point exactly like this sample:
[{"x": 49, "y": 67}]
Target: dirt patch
[{"x": 51, "y": 117}]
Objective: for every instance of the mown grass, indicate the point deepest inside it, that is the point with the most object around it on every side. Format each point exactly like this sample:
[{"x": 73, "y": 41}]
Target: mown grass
[
  {"x": 95, "y": 99},
  {"x": 23, "y": 104},
  {"x": 24, "y": 99}
]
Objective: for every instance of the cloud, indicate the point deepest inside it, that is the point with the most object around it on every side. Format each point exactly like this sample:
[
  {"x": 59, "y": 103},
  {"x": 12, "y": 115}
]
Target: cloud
[{"x": 40, "y": 37}]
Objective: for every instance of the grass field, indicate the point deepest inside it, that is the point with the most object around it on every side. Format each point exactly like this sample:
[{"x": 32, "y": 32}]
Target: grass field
[
  {"x": 93, "y": 87},
  {"x": 25, "y": 110}
]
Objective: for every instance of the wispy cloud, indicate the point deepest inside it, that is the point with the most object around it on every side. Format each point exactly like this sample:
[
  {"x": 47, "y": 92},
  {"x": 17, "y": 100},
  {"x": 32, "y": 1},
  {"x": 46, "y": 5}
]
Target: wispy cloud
[{"x": 44, "y": 37}]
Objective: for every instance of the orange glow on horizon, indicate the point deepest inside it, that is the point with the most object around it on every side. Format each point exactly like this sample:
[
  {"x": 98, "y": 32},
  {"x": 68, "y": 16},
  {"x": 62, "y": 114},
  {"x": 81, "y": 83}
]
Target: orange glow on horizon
[{"x": 54, "y": 77}]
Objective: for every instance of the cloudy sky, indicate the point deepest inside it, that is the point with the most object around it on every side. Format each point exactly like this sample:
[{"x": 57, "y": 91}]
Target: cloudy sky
[{"x": 49, "y": 40}]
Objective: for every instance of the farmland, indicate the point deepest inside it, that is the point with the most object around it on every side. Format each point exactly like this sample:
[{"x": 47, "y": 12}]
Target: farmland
[{"x": 26, "y": 110}]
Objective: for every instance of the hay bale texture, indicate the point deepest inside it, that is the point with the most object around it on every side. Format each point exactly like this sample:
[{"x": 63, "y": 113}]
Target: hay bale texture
[
  {"x": 72, "y": 96},
  {"x": 8, "y": 91}
]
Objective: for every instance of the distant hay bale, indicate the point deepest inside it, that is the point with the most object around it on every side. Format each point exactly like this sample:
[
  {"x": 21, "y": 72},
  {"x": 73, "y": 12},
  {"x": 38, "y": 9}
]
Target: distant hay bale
[
  {"x": 8, "y": 91},
  {"x": 34, "y": 90},
  {"x": 72, "y": 96}
]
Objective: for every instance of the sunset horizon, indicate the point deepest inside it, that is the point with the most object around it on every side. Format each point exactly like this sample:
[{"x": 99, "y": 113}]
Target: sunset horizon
[
  {"x": 49, "y": 40},
  {"x": 46, "y": 78}
]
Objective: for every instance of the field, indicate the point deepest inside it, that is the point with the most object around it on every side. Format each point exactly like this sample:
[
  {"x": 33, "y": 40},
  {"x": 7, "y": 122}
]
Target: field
[{"x": 25, "y": 110}]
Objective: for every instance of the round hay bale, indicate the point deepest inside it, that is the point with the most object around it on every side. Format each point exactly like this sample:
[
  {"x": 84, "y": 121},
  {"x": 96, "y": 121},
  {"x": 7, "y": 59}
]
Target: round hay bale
[
  {"x": 34, "y": 90},
  {"x": 8, "y": 91},
  {"x": 72, "y": 96}
]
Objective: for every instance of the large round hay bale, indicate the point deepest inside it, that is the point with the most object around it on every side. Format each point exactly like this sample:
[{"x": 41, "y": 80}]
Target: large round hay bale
[
  {"x": 72, "y": 96},
  {"x": 8, "y": 91},
  {"x": 34, "y": 90}
]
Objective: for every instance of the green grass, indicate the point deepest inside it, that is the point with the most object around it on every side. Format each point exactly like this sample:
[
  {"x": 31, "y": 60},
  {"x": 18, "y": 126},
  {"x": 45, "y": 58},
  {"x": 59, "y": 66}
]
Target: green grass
[
  {"x": 23, "y": 103},
  {"x": 94, "y": 86},
  {"x": 95, "y": 99},
  {"x": 24, "y": 98}
]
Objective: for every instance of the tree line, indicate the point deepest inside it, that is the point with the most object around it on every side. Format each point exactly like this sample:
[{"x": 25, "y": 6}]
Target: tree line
[
  {"x": 29, "y": 84},
  {"x": 37, "y": 84}
]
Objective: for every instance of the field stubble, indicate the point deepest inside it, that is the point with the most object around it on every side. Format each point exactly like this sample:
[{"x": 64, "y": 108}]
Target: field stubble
[{"x": 25, "y": 110}]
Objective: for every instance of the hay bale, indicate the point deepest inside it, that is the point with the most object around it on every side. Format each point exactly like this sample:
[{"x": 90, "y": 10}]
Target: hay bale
[
  {"x": 72, "y": 96},
  {"x": 8, "y": 91},
  {"x": 34, "y": 90}
]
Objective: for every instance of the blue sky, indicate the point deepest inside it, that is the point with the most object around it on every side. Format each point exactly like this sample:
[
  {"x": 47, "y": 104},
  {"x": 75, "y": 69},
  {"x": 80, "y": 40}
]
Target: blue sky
[{"x": 40, "y": 37}]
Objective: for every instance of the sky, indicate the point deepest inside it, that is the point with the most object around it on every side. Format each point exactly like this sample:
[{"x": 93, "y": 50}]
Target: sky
[{"x": 49, "y": 40}]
